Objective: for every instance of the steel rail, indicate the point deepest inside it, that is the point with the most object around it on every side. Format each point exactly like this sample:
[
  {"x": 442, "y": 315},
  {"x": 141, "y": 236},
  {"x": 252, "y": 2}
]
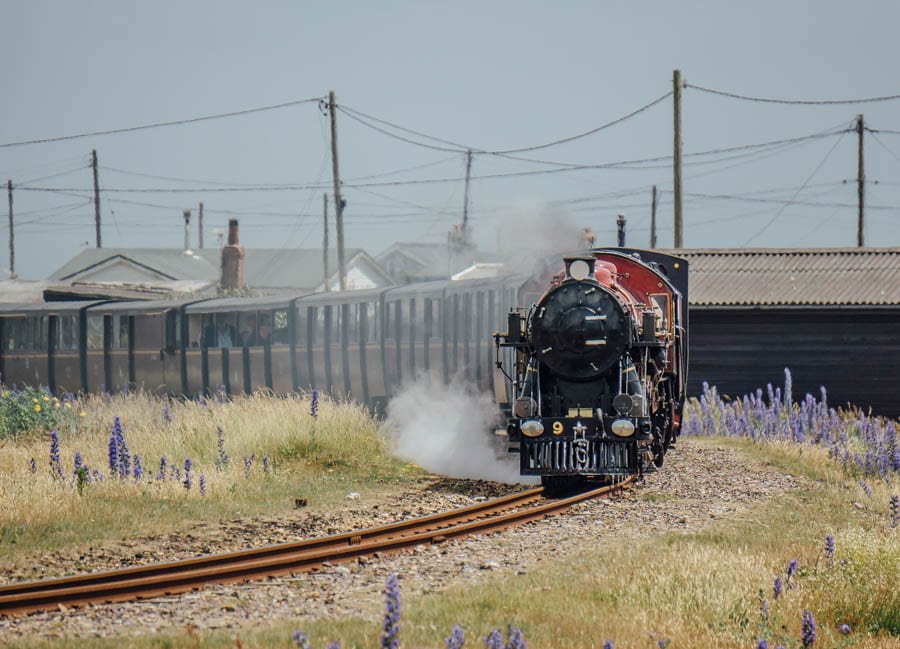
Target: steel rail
[{"x": 144, "y": 582}]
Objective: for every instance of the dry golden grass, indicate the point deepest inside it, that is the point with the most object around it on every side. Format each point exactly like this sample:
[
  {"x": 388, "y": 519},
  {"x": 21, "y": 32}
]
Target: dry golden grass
[{"x": 313, "y": 458}]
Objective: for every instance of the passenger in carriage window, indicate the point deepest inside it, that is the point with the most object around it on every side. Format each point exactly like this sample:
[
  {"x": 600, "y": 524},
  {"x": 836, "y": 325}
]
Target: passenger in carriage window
[
  {"x": 223, "y": 335},
  {"x": 261, "y": 334}
]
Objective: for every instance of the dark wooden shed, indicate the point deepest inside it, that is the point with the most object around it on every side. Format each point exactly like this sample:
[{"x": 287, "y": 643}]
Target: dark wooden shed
[{"x": 832, "y": 316}]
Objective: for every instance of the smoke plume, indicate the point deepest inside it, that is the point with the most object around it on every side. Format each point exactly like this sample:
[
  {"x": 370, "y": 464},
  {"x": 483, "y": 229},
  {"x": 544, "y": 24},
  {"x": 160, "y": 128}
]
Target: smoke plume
[{"x": 449, "y": 429}]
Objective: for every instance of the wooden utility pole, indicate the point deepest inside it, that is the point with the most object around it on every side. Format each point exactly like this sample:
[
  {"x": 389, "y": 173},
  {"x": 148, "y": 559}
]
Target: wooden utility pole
[
  {"x": 325, "y": 238},
  {"x": 465, "y": 221},
  {"x": 96, "y": 196},
  {"x": 860, "y": 185},
  {"x": 200, "y": 227},
  {"x": 676, "y": 180},
  {"x": 620, "y": 227},
  {"x": 338, "y": 201},
  {"x": 12, "y": 237},
  {"x": 653, "y": 218}
]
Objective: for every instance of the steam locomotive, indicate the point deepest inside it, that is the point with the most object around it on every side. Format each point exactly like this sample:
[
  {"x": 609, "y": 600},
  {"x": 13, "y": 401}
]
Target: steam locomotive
[{"x": 596, "y": 367}]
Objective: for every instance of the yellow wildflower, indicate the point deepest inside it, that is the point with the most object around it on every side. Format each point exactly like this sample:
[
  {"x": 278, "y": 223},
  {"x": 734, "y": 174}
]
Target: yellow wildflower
[
  {"x": 56, "y": 404},
  {"x": 81, "y": 414},
  {"x": 46, "y": 398},
  {"x": 37, "y": 407},
  {"x": 68, "y": 405},
  {"x": 34, "y": 399}
]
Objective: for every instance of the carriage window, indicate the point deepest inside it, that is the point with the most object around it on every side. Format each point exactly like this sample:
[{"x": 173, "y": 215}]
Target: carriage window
[
  {"x": 68, "y": 338},
  {"x": 221, "y": 330},
  {"x": 95, "y": 332},
  {"x": 280, "y": 328},
  {"x": 14, "y": 333},
  {"x": 148, "y": 331},
  {"x": 120, "y": 332}
]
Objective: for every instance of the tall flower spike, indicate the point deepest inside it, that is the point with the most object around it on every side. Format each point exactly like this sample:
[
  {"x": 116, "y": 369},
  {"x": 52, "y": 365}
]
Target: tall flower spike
[
  {"x": 314, "y": 405},
  {"x": 457, "y": 638},
  {"x": 829, "y": 549},
  {"x": 808, "y": 630},
  {"x": 390, "y": 636}
]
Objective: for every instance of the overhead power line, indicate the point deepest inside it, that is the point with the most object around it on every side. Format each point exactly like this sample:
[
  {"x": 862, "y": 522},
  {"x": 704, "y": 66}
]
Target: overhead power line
[
  {"x": 361, "y": 117},
  {"x": 161, "y": 124},
  {"x": 800, "y": 102}
]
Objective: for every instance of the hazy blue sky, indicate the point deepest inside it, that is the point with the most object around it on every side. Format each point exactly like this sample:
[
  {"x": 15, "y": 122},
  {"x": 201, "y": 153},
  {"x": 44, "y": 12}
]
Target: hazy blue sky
[{"x": 488, "y": 75}]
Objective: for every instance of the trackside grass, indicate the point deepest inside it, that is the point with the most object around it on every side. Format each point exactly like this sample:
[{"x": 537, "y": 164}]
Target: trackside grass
[{"x": 132, "y": 465}]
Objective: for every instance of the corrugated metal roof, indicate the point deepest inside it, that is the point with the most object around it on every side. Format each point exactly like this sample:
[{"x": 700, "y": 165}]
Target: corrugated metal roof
[{"x": 782, "y": 277}]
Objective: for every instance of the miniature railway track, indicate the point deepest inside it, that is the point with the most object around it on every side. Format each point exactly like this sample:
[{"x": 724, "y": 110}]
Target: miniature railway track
[{"x": 143, "y": 582}]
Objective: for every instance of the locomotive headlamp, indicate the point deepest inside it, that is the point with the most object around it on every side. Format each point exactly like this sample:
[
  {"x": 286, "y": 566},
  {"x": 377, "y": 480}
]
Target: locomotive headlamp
[
  {"x": 622, "y": 428},
  {"x": 532, "y": 428}
]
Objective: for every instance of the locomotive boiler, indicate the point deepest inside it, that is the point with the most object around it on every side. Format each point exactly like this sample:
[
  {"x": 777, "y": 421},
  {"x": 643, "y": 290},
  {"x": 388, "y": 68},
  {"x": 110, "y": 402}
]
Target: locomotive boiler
[{"x": 595, "y": 368}]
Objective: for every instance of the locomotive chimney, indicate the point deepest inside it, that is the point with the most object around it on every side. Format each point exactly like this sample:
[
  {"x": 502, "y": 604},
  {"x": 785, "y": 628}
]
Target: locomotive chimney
[
  {"x": 620, "y": 223},
  {"x": 232, "y": 260}
]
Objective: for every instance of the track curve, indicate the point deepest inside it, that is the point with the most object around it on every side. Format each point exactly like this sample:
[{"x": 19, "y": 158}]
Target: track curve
[{"x": 144, "y": 582}]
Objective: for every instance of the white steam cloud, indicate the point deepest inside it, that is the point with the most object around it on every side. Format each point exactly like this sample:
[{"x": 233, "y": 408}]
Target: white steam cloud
[{"x": 449, "y": 429}]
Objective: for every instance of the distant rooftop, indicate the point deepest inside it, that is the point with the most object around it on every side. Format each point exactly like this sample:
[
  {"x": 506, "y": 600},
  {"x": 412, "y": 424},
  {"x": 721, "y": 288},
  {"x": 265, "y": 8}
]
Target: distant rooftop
[{"x": 791, "y": 276}]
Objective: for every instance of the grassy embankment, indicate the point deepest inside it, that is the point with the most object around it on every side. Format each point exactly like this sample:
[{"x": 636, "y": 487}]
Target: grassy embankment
[{"x": 705, "y": 588}]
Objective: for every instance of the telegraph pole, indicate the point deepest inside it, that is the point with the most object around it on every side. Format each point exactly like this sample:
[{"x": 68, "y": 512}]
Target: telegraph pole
[
  {"x": 676, "y": 181},
  {"x": 200, "y": 226},
  {"x": 338, "y": 201},
  {"x": 465, "y": 222},
  {"x": 12, "y": 245},
  {"x": 325, "y": 238},
  {"x": 620, "y": 227},
  {"x": 96, "y": 196},
  {"x": 653, "y": 219},
  {"x": 860, "y": 185}
]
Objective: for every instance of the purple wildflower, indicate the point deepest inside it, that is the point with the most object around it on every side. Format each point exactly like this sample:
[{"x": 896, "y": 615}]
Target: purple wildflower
[
  {"x": 167, "y": 415},
  {"x": 78, "y": 462},
  {"x": 808, "y": 630},
  {"x": 390, "y": 637},
  {"x": 202, "y": 484},
  {"x": 516, "y": 638},
  {"x": 866, "y": 488},
  {"x": 777, "y": 587},
  {"x": 300, "y": 639},
  {"x": 608, "y": 644},
  {"x": 265, "y": 463},
  {"x": 762, "y": 644},
  {"x": 33, "y": 466},
  {"x": 138, "y": 468},
  {"x": 119, "y": 457},
  {"x": 162, "y": 469},
  {"x": 55, "y": 466},
  {"x": 844, "y": 629},
  {"x": 791, "y": 571},
  {"x": 457, "y": 638},
  {"x": 248, "y": 464},
  {"x": 494, "y": 640},
  {"x": 829, "y": 549},
  {"x": 222, "y": 458},
  {"x": 334, "y": 644},
  {"x": 314, "y": 405},
  {"x": 187, "y": 473}
]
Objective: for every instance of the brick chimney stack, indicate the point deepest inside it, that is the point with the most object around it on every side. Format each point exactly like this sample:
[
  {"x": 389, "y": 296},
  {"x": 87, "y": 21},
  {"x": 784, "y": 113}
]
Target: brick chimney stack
[{"x": 232, "y": 260}]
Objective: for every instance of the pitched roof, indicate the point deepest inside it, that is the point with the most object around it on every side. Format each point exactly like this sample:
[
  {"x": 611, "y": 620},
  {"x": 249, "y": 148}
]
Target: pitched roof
[
  {"x": 263, "y": 267},
  {"x": 805, "y": 276}
]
